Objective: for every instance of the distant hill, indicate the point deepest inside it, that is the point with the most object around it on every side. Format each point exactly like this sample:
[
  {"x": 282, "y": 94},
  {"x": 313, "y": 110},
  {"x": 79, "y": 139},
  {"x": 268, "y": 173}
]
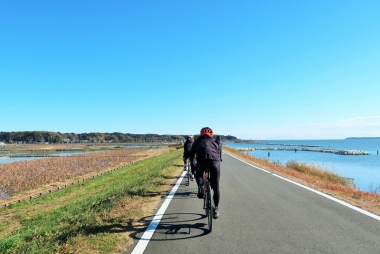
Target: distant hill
[{"x": 31, "y": 137}]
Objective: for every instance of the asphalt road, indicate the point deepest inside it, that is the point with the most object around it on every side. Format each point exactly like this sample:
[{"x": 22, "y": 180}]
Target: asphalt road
[{"x": 261, "y": 213}]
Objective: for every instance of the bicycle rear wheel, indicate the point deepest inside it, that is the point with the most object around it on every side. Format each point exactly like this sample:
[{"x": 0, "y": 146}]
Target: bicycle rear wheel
[
  {"x": 205, "y": 204},
  {"x": 209, "y": 210}
]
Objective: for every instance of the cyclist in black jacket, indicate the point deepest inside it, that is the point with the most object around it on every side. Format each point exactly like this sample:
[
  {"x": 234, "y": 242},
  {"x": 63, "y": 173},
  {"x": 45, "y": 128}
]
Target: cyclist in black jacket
[
  {"x": 186, "y": 155},
  {"x": 207, "y": 151}
]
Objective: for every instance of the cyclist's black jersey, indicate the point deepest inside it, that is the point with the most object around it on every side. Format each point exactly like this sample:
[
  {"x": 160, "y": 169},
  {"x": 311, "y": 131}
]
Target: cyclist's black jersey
[
  {"x": 205, "y": 148},
  {"x": 187, "y": 148}
]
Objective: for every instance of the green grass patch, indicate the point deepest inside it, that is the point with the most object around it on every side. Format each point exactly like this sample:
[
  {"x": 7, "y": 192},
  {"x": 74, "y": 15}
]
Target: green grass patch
[{"x": 79, "y": 215}]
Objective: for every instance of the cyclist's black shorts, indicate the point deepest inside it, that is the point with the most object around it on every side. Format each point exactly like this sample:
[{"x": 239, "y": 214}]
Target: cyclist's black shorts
[{"x": 214, "y": 168}]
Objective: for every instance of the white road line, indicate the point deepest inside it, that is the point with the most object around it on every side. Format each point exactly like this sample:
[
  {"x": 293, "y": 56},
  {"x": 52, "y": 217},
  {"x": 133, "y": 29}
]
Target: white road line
[
  {"x": 145, "y": 238},
  {"x": 374, "y": 216}
]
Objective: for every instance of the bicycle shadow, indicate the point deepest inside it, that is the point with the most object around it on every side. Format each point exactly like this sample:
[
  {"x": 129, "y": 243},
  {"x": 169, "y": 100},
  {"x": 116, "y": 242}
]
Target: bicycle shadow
[
  {"x": 174, "y": 227},
  {"x": 185, "y": 194}
]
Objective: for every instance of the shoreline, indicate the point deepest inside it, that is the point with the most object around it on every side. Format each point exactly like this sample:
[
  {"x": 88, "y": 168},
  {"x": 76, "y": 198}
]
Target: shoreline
[{"x": 308, "y": 149}]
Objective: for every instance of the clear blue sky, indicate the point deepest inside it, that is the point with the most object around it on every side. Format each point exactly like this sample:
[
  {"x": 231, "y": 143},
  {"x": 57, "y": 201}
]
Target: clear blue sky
[{"x": 253, "y": 69}]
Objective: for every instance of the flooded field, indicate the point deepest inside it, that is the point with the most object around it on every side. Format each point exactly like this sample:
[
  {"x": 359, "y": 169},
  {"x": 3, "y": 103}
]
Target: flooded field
[{"x": 27, "y": 169}]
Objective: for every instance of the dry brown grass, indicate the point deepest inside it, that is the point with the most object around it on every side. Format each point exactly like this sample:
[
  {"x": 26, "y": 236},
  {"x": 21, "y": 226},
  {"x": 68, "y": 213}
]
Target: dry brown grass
[
  {"x": 118, "y": 227},
  {"x": 32, "y": 175},
  {"x": 318, "y": 179},
  {"x": 39, "y": 147}
]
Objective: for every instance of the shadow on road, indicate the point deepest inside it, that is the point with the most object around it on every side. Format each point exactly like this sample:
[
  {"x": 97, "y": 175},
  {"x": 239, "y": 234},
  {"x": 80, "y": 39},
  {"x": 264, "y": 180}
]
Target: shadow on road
[
  {"x": 182, "y": 194},
  {"x": 176, "y": 226}
]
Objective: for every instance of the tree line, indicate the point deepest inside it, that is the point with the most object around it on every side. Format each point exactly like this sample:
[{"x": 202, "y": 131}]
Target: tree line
[{"x": 31, "y": 137}]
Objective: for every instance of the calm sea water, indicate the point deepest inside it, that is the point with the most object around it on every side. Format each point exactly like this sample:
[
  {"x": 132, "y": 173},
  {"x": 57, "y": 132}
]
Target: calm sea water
[
  {"x": 364, "y": 169},
  {"x": 4, "y": 158},
  {"x": 19, "y": 156}
]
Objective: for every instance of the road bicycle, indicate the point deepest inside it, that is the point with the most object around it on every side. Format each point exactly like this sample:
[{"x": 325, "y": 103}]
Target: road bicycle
[{"x": 208, "y": 200}]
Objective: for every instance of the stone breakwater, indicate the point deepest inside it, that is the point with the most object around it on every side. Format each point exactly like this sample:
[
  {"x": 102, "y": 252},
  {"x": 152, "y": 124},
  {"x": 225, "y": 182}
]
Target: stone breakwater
[
  {"x": 309, "y": 149},
  {"x": 274, "y": 144}
]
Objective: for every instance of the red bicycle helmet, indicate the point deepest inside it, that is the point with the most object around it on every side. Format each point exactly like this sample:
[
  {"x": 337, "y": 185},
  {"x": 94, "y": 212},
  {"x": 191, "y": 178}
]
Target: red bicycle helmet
[{"x": 206, "y": 131}]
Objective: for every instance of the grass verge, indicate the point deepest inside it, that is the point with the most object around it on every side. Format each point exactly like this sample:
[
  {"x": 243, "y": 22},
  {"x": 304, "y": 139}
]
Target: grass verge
[
  {"x": 97, "y": 216},
  {"x": 317, "y": 178}
]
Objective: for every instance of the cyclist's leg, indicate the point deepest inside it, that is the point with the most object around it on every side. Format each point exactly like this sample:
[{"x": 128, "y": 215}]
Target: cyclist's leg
[
  {"x": 185, "y": 160},
  {"x": 193, "y": 164},
  {"x": 199, "y": 179},
  {"x": 214, "y": 181},
  {"x": 201, "y": 166}
]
